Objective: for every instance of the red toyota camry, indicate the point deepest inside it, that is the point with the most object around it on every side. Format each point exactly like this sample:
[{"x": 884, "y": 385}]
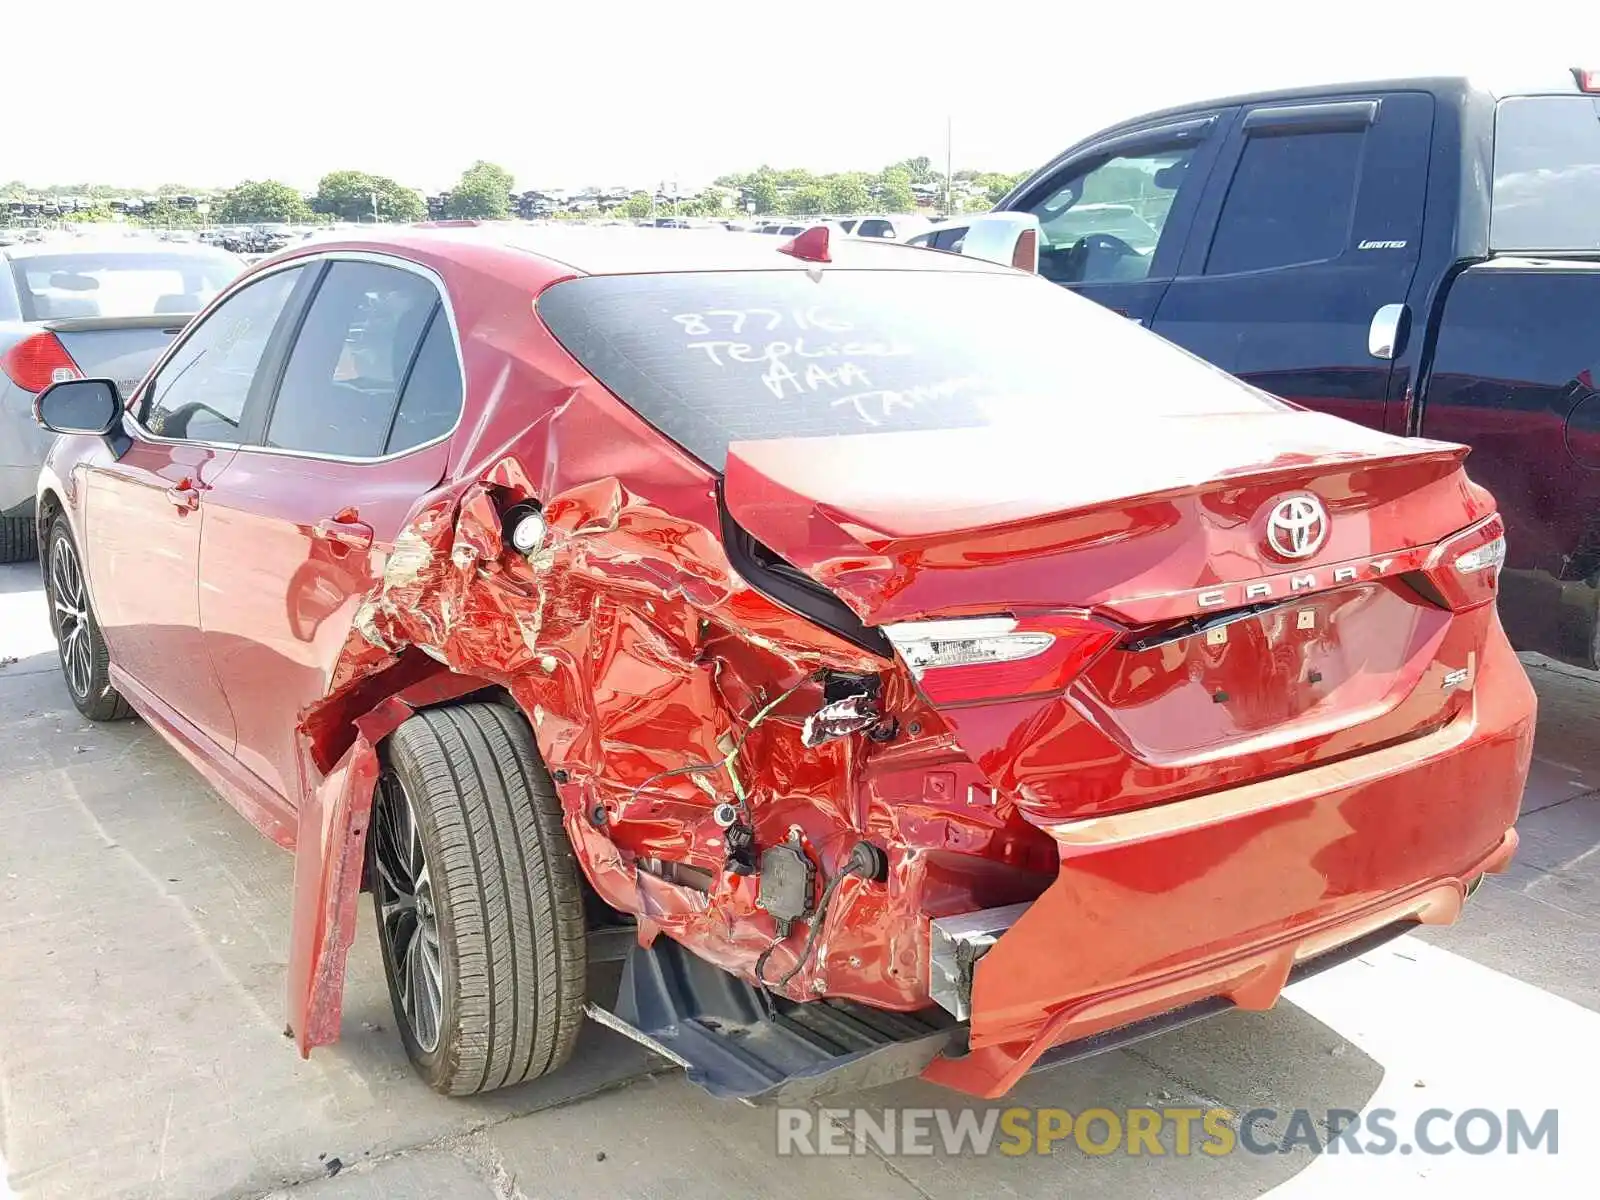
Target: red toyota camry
[{"x": 900, "y": 664}]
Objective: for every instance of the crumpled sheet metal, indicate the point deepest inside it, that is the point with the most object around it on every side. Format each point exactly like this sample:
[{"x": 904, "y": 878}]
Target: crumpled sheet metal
[{"x": 635, "y": 650}]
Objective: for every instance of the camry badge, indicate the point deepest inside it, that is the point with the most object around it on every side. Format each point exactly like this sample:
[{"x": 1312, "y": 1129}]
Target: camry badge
[{"x": 1297, "y": 526}]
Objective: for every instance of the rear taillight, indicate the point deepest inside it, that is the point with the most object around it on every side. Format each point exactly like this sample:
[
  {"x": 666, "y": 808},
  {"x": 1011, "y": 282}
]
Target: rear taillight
[
  {"x": 1465, "y": 569},
  {"x": 991, "y": 658},
  {"x": 36, "y": 362}
]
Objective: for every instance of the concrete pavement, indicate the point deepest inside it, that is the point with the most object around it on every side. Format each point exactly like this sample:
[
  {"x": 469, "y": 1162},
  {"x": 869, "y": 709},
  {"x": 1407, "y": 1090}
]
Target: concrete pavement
[{"x": 143, "y": 942}]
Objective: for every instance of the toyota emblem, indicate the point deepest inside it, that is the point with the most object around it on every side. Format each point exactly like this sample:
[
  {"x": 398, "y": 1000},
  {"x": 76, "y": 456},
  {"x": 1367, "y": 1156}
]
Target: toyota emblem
[{"x": 1297, "y": 526}]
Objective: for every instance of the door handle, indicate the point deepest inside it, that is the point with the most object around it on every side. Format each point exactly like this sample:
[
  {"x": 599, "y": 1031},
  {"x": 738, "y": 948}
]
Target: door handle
[
  {"x": 1386, "y": 336},
  {"x": 185, "y": 497},
  {"x": 344, "y": 529}
]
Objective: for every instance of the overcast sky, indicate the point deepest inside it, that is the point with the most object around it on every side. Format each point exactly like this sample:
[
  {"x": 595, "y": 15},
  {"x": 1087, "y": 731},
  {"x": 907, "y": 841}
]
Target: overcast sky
[{"x": 567, "y": 93}]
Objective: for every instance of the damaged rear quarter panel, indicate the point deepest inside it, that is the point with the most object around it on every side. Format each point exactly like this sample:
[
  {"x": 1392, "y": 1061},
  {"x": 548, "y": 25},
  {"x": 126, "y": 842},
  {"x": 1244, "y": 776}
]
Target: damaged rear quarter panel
[{"x": 634, "y": 650}]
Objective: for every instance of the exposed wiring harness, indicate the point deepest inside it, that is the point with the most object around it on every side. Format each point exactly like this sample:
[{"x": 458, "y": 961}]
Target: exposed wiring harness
[
  {"x": 865, "y": 861},
  {"x": 728, "y": 761}
]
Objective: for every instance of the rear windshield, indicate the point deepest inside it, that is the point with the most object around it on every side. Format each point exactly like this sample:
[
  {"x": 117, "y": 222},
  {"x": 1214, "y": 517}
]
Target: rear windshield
[
  {"x": 1546, "y": 174},
  {"x": 120, "y": 284},
  {"x": 713, "y": 359}
]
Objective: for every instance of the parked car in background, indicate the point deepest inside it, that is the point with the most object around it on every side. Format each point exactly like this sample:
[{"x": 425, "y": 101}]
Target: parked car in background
[
  {"x": 890, "y": 226},
  {"x": 1418, "y": 255},
  {"x": 841, "y": 634},
  {"x": 77, "y": 307}
]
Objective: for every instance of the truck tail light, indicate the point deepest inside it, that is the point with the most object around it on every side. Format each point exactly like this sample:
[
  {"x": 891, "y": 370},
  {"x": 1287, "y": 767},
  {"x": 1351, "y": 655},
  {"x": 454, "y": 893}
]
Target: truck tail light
[
  {"x": 1464, "y": 569},
  {"x": 36, "y": 362},
  {"x": 969, "y": 659}
]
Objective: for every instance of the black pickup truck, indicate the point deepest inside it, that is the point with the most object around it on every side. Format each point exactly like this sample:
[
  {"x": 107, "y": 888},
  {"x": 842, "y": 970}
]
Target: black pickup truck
[{"x": 1421, "y": 255}]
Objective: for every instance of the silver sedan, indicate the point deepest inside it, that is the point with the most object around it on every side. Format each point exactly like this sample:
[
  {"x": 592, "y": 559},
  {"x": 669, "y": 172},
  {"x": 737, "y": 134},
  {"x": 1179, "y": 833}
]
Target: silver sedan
[{"x": 72, "y": 308}]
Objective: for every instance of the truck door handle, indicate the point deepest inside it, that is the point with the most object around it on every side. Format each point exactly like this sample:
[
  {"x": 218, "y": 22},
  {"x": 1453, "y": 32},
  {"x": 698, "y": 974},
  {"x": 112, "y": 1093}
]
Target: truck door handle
[
  {"x": 185, "y": 497},
  {"x": 1386, "y": 336},
  {"x": 344, "y": 528}
]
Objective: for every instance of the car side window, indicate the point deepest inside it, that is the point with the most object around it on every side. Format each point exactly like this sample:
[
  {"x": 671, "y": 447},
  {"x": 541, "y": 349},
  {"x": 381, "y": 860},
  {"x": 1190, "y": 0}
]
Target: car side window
[
  {"x": 875, "y": 228},
  {"x": 200, "y": 392},
  {"x": 342, "y": 382},
  {"x": 1103, "y": 225},
  {"x": 431, "y": 401},
  {"x": 1291, "y": 200}
]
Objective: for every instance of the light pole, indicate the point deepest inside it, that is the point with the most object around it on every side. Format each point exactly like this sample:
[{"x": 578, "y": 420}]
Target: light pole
[{"x": 949, "y": 167}]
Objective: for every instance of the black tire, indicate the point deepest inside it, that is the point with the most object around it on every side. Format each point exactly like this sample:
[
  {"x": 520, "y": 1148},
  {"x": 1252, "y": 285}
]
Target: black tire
[
  {"x": 502, "y": 893},
  {"x": 85, "y": 662},
  {"x": 18, "y": 539}
]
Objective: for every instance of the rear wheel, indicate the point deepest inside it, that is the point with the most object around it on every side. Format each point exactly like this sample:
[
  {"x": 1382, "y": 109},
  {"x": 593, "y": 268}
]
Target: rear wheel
[
  {"x": 85, "y": 663},
  {"x": 18, "y": 539},
  {"x": 479, "y": 909}
]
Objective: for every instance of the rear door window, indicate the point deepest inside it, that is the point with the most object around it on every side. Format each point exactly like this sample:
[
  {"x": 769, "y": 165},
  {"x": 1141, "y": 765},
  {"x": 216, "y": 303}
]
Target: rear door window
[
  {"x": 342, "y": 383},
  {"x": 1546, "y": 174},
  {"x": 711, "y": 359},
  {"x": 1291, "y": 201},
  {"x": 431, "y": 401}
]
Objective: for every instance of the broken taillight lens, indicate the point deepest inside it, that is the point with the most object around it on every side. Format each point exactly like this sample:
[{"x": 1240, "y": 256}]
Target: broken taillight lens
[
  {"x": 968, "y": 659},
  {"x": 1465, "y": 568}
]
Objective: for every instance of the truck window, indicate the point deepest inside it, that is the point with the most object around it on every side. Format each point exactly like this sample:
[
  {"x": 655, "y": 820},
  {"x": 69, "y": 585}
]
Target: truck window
[
  {"x": 1103, "y": 225},
  {"x": 1546, "y": 174},
  {"x": 1291, "y": 201}
]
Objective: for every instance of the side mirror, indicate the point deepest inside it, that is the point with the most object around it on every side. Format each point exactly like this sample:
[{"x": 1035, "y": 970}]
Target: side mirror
[
  {"x": 1004, "y": 237},
  {"x": 88, "y": 406}
]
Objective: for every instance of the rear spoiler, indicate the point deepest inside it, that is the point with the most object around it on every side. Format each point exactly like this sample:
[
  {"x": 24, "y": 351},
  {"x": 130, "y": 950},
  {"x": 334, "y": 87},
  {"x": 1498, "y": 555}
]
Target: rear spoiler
[{"x": 171, "y": 322}]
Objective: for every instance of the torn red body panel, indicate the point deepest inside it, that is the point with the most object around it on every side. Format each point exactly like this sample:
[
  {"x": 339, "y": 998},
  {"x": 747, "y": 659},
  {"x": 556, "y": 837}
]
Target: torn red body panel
[{"x": 1208, "y": 706}]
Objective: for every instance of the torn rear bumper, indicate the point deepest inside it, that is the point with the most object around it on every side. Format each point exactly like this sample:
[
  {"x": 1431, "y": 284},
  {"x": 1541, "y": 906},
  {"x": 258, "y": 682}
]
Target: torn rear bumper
[{"x": 1213, "y": 902}]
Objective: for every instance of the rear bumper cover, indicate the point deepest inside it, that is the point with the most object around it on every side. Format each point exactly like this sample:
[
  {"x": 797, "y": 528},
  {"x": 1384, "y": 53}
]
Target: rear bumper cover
[{"x": 1218, "y": 898}]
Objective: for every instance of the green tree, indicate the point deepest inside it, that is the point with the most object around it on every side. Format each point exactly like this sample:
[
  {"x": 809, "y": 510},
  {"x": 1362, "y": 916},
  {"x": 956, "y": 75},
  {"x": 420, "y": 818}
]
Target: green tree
[
  {"x": 916, "y": 170},
  {"x": 761, "y": 187},
  {"x": 847, "y": 193},
  {"x": 252, "y": 202},
  {"x": 807, "y": 201},
  {"x": 795, "y": 177},
  {"x": 349, "y": 196},
  {"x": 484, "y": 193},
  {"x": 637, "y": 206},
  {"x": 892, "y": 191},
  {"x": 706, "y": 204},
  {"x": 164, "y": 214}
]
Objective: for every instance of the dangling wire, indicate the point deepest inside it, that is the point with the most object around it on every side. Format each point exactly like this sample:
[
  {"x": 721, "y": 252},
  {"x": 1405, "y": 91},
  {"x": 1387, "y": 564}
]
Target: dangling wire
[{"x": 727, "y": 762}]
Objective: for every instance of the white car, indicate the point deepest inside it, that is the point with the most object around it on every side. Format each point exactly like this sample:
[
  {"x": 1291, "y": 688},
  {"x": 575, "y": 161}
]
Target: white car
[{"x": 890, "y": 226}]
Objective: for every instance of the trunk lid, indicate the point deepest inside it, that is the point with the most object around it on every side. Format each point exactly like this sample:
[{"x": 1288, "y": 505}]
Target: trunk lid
[
  {"x": 1225, "y": 659},
  {"x": 122, "y": 349},
  {"x": 1137, "y": 522}
]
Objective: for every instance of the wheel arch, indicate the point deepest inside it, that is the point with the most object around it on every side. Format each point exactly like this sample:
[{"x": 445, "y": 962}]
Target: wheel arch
[
  {"x": 47, "y": 507},
  {"x": 340, "y": 760}
]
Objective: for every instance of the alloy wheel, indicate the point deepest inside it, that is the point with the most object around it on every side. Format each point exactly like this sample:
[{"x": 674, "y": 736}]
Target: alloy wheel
[
  {"x": 72, "y": 617},
  {"x": 408, "y": 921}
]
